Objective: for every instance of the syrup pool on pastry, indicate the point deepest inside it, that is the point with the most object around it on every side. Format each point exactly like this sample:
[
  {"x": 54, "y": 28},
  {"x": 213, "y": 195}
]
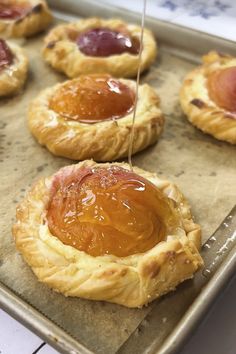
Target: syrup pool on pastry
[
  {"x": 222, "y": 88},
  {"x": 94, "y": 98},
  {"x": 6, "y": 56},
  {"x": 13, "y": 11},
  {"x": 109, "y": 211},
  {"x": 103, "y": 42}
]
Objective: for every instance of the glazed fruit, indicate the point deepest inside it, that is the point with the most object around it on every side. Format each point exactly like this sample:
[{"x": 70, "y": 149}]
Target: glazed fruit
[
  {"x": 222, "y": 88},
  {"x": 6, "y": 56},
  {"x": 93, "y": 98},
  {"x": 13, "y": 11},
  {"x": 109, "y": 211},
  {"x": 103, "y": 42}
]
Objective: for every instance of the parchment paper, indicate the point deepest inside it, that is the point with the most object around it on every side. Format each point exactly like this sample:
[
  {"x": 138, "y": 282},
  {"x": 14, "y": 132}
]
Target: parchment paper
[{"x": 203, "y": 168}]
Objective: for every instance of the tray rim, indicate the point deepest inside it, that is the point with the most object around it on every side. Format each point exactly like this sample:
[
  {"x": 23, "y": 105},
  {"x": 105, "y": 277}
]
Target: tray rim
[
  {"x": 60, "y": 340},
  {"x": 32, "y": 319},
  {"x": 162, "y": 25},
  {"x": 57, "y": 337},
  {"x": 200, "y": 307}
]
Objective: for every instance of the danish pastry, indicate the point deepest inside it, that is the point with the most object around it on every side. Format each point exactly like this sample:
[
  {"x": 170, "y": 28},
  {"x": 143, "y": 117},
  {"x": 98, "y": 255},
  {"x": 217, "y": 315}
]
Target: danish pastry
[
  {"x": 103, "y": 232},
  {"x": 13, "y": 68},
  {"x": 99, "y": 46},
  {"x": 208, "y": 96},
  {"x": 23, "y": 18},
  {"x": 91, "y": 117}
]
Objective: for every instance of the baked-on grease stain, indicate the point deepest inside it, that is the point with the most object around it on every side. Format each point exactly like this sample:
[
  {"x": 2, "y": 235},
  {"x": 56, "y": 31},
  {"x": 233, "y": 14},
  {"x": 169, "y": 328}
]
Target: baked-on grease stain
[
  {"x": 40, "y": 168},
  {"x": 131, "y": 136},
  {"x": 180, "y": 173},
  {"x": 198, "y": 103}
]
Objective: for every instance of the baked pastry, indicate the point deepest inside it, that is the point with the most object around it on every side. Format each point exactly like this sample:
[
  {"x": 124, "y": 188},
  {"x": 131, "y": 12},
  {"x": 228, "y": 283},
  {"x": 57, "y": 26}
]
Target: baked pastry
[
  {"x": 13, "y": 68},
  {"x": 103, "y": 232},
  {"x": 208, "y": 96},
  {"x": 99, "y": 46},
  {"x": 23, "y": 18},
  {"x": 91, "y": 117}
]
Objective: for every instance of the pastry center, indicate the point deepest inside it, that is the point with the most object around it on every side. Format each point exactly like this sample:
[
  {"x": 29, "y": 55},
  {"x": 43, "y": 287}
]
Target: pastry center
[
  {"x": 109, "y": 211},
  {"x": 222, "y": 88},
  {"x": 93, "y": 98},
  {"x": 103, "y": 42},
  {"x": 6, "y": 56},
  {"x": 12, "y": 10}
]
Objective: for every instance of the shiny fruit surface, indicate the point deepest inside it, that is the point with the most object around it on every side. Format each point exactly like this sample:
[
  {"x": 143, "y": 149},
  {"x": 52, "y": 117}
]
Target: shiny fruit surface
[
  {"x": 104, "y": 42},
  {"x": 109, "y": 211},
  {"x": 93, "y": 98},
  {"x": 222, "y": 88}
]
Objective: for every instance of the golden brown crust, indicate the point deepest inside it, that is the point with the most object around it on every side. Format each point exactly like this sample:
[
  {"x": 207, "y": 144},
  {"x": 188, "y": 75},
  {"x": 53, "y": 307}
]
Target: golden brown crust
[
  {"x": 200, "y": 110},
  {"x": 130, "y": 281},
  {"x": 64, "y": 55},
  {"x": 37, "y": 20},
  {"x": 12, "y": 77},
  {"x": 103, "y": 141}
]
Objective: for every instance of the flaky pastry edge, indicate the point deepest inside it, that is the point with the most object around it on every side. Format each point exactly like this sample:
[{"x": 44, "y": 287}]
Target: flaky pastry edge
[
  {"x": 37, "y": 20},
  {"x": 131, "y": 281},
  {"x": 64, "y": 55},
  {"x": 13, "y": 77},
  {"x": 200, "y": 110},
  {"x": 103, "y": 141}
]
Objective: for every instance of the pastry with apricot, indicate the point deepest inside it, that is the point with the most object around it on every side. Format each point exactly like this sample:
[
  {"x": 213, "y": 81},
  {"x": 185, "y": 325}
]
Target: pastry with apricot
[
  {"x": 23, "y": 18},
  {"x": 13, "y": 68},
  {"x": 104, "y": 232},
  {"x": 208, "y": 96},
  {"x": 99, "y": 46},
  {"x": 91, "y": 117}
]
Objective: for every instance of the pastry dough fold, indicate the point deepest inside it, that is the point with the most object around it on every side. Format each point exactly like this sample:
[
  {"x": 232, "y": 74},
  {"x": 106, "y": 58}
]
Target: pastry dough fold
[
  {"x": 63, "y": 54},
  {"x": 199, "y": 108},
  {"x": 36, "y": 20},
  {"x": 131, "y": 281},
  {"x": 13, "y": 77},
  {"x": 103, "y": 141}
]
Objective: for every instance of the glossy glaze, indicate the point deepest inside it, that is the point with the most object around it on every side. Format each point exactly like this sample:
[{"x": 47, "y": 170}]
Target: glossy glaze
[
  {"x": 93, "y": 98},
  {"x": 109, "y": 211}
]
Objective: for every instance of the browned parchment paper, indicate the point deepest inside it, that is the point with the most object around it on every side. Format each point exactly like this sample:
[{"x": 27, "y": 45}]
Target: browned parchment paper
[{"x": 203, "y": 168}]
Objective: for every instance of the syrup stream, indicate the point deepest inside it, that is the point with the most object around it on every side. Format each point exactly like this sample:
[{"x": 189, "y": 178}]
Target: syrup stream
[{"x": 131, "y": 136}]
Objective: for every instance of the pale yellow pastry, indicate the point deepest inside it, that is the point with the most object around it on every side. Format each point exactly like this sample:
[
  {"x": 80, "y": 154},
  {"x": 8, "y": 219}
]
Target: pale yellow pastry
[
  {"x": 23, "y": 18},
  {"x": 91, "y": 117},
  {"x": 13, "y": 68},
  {"x": 74, "y": 50},
  {"x": 103, "y": 232},
  {"x": 208, "y": 96}
]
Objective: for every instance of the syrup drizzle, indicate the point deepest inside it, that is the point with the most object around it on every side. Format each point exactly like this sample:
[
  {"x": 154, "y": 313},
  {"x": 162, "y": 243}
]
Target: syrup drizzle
[{"x": 131, "y": 136}]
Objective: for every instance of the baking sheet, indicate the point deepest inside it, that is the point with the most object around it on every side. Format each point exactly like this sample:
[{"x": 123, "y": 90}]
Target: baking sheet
[
  {"x": 23, "y": 161},
  {"x": 203, "y": 168}
]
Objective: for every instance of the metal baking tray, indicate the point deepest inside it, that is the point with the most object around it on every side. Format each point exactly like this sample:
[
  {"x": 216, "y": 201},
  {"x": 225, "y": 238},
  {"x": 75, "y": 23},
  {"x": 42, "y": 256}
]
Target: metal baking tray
[{"x": 203, "y": 168}]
